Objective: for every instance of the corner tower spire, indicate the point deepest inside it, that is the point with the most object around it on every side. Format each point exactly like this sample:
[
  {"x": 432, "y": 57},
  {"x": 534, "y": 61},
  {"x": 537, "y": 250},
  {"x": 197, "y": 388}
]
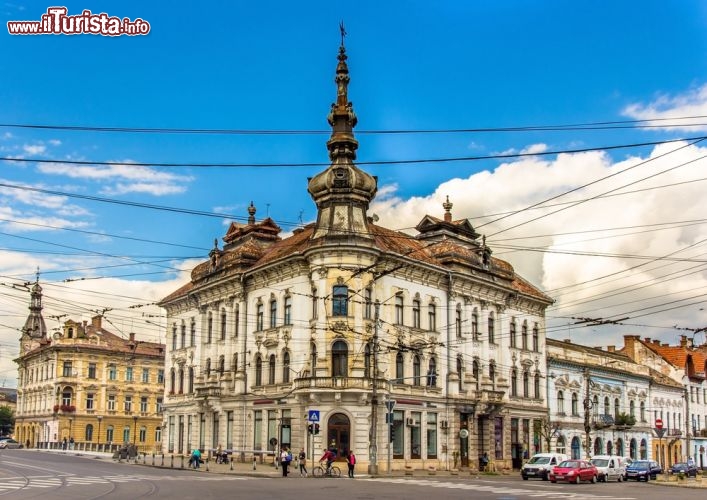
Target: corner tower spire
[{"x": 342, "y": 192}]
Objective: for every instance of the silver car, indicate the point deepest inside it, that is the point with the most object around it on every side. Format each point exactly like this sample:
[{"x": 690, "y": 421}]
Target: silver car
[{"x": 10, "y": 443}]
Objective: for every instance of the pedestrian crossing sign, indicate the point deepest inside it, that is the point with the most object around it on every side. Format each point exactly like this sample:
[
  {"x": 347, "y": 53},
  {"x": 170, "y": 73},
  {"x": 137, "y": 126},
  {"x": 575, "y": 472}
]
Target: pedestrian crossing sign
[{"x": 313, "y": 416}]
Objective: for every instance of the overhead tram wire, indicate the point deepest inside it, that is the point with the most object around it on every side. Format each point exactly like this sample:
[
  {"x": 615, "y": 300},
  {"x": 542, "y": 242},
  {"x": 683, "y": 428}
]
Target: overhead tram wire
[
  {"x": 413, "y": 161},
  {"x": 599, "y": 125}
]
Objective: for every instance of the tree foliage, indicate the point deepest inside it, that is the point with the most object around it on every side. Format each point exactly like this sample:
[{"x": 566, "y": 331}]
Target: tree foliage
[{"x": 7, "y": 420}]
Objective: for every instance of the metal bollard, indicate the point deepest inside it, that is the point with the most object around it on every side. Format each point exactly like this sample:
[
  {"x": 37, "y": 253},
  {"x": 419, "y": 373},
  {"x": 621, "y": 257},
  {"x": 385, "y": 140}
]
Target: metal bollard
[
  {"x": 255, "y": 461},
  {"x": 171, "y": 463},
  {"x": 231, "y": 463},
  {"x": 162, "y": 464},
  {"x": 153, "y": 458}
]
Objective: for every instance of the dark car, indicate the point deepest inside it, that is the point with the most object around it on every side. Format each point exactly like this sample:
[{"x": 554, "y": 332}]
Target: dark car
[
  {"x": 690, "y": 470},
  {"x": 10, "y": 443},
  {"x": 574, "y": 471},
  {"x": 643, "y": 470}
]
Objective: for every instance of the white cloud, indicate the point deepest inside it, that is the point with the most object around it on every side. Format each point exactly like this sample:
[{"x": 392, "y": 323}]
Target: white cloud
[
  {"x": 55, "y": 142},
  {"x": 520, "y": 183},
  {"x": 34, "y": 149},
  {"x": 672, "y": 110}
]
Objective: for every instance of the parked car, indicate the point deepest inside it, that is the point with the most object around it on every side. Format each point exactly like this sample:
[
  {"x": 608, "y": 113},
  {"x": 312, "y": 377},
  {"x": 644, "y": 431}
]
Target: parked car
[
  {"x": 10, "y": 443},
  {"x": 690, "y": 470},
  {"x": 540, "y": 465},
  {"x": 643, "y": 470},
  {"x": 574, "y": 471},
  {"x": 610, "y": 467}
]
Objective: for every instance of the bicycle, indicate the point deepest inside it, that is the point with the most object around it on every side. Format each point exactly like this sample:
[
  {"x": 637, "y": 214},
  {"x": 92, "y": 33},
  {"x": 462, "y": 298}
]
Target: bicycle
[{"x": 320, "y": 471}]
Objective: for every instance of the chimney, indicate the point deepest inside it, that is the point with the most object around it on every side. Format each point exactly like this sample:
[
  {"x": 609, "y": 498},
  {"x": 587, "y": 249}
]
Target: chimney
[
  {"x": 648, "y": 340},
  {"x": 611, "y": 348},
  {"x": 132, "y": 337},
  {"x": 567, "y": 341},
  {"x": 96, "y": 322},
  {"x": 683, "y": 340}
]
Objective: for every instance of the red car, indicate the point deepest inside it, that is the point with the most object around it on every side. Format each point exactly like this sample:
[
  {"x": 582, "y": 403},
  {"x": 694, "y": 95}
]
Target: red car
[{"x": 574, "y": 471}]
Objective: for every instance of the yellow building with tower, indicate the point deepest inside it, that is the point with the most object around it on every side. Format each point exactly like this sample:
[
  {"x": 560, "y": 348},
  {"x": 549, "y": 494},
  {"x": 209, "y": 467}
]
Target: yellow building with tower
[{"x": 86, "y": 388}]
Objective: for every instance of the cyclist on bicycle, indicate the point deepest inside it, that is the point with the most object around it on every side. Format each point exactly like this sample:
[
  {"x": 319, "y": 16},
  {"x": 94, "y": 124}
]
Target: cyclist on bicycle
[{"x": 329, "y": 456}]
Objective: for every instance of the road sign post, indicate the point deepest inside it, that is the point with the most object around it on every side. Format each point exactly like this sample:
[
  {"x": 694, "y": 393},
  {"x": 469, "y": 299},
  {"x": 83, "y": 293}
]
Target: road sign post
[
  {"x": 389, "y": 404},
  {"x": 660, "y": 432}
]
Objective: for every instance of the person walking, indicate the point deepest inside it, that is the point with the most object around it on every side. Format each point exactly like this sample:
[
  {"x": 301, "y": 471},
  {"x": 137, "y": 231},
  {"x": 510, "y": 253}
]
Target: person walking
[
  {"x": 351, "y": 462},
  {"x": 302, "y": 457},
  {"x": 195, "y": 459}
]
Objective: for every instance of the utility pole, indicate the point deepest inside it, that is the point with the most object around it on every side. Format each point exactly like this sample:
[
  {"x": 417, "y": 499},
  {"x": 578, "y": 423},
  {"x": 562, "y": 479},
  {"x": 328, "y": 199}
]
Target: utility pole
[
  {"x": 587, "y": 410},
  {"x": 373, "y": 448}
]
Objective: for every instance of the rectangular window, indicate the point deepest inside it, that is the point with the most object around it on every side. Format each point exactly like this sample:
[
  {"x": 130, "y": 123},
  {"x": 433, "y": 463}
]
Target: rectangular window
[
  {"x": 259, "y": 317},
  {"x": 272, "y": 425},
  {"x": 398, "y": 444},
  {"x": 145, "y": 375},
  {"x": 399, "y": 310},
  {"x": 215, "y": 430},
  {"x": 258, "y": 430},
  {"x": 67, "y": 372},
  {"x": 229, "y": 430},
  {"x": 143, "y": 434},
  {"x": 112, "y": 372},
  {"x": 223, "y": 326},
  {"x": 128, "y": 406},
  {"x": 160, "y": 376},
  {"x": 202, "y": 430},
  {"x": 432, "y": 313},
  {"x": 111, "y": 402},
  {"x": 340, "y": 301},
  {"x": 158, "y": 405},
  {"x": 416, "y": 435},
  {"x": 416, "y": 314},
  {"x": 143, "y": 404},
  {"x": 273, "y": 314},
  {"x": 92, "y": 370},
  {"x": 431, "y": 435},
  {"x": 170, "y": 436},
  {"x": 158, "y": 435},
  {"x": 368, "y": 300},
  {"x": 129, "y": 374},
  {"x": 288, "y": 311},
  {"x": 315, "y": 302},
  {"x": 89, "y": 400},
  {"x": 209, "y": 328}
]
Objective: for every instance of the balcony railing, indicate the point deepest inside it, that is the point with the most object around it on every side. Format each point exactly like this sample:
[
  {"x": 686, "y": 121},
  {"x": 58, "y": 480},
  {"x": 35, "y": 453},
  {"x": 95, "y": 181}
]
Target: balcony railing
[{"x": 340, "y": 383}]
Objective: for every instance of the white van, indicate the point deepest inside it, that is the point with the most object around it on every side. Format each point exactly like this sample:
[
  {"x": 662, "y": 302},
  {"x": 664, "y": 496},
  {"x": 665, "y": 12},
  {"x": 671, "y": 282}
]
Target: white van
[
  {"x": 610, "y": 467},
  {"x": 540, "y": 465}
]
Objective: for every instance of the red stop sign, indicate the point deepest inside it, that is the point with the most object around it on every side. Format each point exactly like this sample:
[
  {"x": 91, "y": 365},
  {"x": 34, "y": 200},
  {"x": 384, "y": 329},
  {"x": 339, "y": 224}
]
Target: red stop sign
[{"x": 658, "y": 423}]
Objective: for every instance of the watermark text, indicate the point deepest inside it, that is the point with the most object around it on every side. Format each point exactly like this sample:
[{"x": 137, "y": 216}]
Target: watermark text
[{"x": 57, "y": 21}]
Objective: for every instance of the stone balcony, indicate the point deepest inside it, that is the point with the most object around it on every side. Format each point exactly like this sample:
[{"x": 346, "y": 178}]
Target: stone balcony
[{"x": 340, "y": 383}]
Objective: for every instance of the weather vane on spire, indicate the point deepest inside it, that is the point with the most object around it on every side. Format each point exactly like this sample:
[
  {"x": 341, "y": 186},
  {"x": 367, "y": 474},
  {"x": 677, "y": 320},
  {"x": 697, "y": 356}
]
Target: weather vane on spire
[{"x": 343, "y": 32}]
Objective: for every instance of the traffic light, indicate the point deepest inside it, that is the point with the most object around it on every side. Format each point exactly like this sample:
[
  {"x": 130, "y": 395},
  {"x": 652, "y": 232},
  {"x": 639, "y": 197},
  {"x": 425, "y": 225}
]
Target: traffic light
[
  {"x": 391, "y": 430},
  {"x": 310, "y": 428},
  {"x": 316, "y": 428}
]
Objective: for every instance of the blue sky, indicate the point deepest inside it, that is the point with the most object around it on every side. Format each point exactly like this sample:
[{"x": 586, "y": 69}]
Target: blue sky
[{"x": 414, "y": 65}]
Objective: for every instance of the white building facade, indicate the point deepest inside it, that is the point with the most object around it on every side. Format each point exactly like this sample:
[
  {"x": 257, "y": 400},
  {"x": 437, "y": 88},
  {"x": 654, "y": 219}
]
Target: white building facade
[{"x": 347, "y": 318}]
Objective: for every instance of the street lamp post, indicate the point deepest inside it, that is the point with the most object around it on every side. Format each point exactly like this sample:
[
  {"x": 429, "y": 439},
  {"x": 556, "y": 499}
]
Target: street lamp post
[
  {"x": 373, "y": 452},
  {"x": 98, "y": 437},
  {"x": 71, "y": 421},
  {"x": 134, "y": 428}
]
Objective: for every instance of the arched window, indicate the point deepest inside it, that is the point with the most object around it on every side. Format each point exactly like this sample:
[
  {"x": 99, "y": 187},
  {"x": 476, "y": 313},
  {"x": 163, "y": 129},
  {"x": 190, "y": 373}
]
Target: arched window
[
  {"x": 643, "y": 411},
  {"x": 616, "y": 408},
  {"x": 492, "y": 328},
  {"x": 174, "y": 338},
  {"x": 273, "y": 313},
  {"x": 632, "y": 408},
  {"x": 259, "y": 321},
  {"x": 560, "y": 446},
  {"x": 183, "y": 342},
  {"x": 192, "y": 334},
  {"x": 524, "y": 336},
  {"x": 432, "y": 373},
  {"x": 458, "y": 321},
  {"x": 181, "y": 381},
  {"x": 340, "y": 301},
  {"x": 598, "y": 446},
  {"x": 89, "y": 433},
  {"x": 416, "y": 370},
  {"x": 234, "y": 363},
  {"x": 607, "y": 406},
  {"x": 475, "y": 324},
  {"x": 271, "y": 369},
  {"x": 595, "y": 405},
  {"x": 221, "y": 364},
  {"x": 285, "y": 367},
  {"x": 416, "y": 314},
  {"x": 536, "y": 338},
  {"x": 287, "y": 320},
  {"x": 172, "y": 380},
  {"x": 224, "y": 318},
  {"x": 526, "y": 384},
  {"x": 512, "y": 333},
  {"x": 560, "y": 402},
  {"x": 367, "y": 360},
  {"x": 339, "y": 359},
  {"x": 460, "y": 369},
  {"x": 399, "y": 320},
  {"x": 258, "y": 370},
  {"x": 399, "y": 369},
  {"x": 191, "y": 379},
  {"x": 514, "y": 382},
  {"x": 576, "y": 448},
  {"x": 575, "y": 404}
]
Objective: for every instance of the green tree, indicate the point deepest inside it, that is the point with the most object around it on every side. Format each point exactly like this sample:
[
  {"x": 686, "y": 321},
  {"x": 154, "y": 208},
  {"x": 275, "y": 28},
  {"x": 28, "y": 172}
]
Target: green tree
[{"x": 7, "y": 420}]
